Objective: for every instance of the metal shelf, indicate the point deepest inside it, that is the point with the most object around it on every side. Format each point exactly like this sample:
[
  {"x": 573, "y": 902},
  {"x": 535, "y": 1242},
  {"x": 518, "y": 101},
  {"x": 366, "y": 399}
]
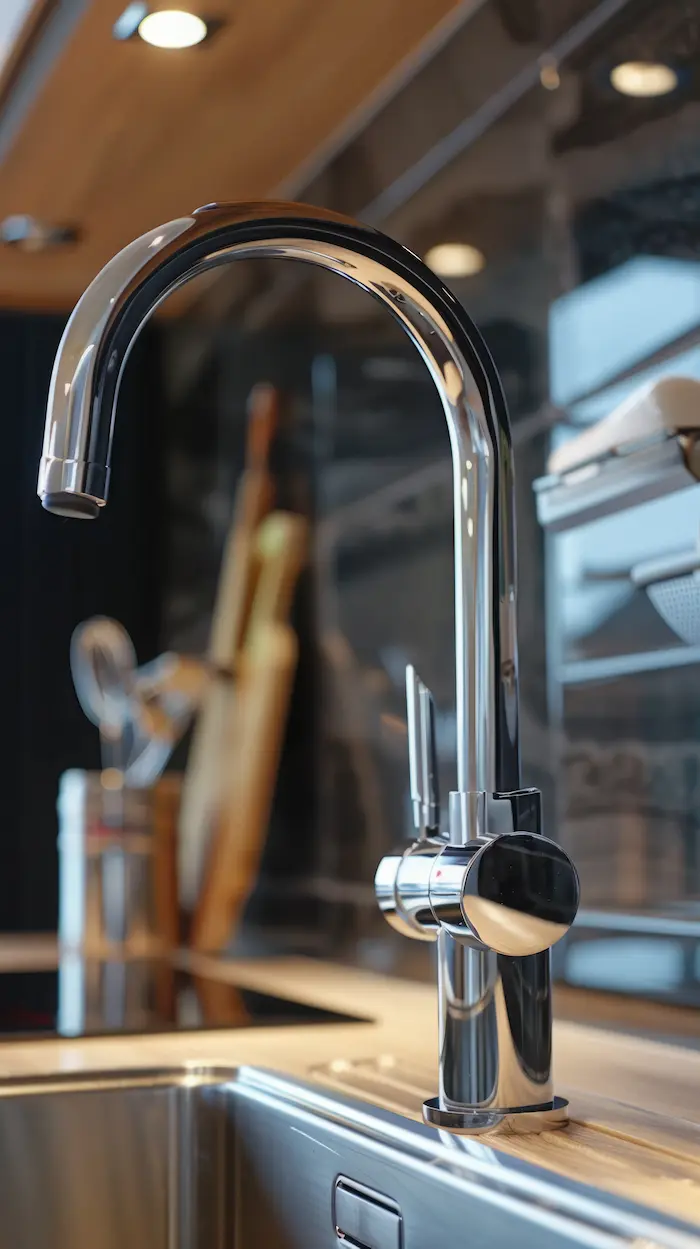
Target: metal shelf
[
  {"x": 638, "y": 924},
  {"x": 612, "y": 667},
  {"x": 620, "y": 481}
]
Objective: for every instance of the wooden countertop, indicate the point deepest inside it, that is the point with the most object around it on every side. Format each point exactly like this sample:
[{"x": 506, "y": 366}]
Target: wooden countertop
[{"x": 635, "y": 1103}]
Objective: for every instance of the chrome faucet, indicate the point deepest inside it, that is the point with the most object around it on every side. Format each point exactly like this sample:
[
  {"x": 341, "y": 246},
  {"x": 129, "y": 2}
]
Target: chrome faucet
[{"x": 491, "y": 890}]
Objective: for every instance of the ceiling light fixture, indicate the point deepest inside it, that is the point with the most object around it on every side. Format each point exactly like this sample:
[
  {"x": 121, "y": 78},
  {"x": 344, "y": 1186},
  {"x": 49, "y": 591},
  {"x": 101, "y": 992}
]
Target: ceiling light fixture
[
  {"x": 455, "y": 260},
  {"x": 172, "y": 28},
  {"x": 644, "y": 79},
  {"x": 162, "y": 28}
]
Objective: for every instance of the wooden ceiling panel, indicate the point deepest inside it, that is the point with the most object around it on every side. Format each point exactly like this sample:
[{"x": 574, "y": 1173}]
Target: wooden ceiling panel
[{"x": 122, "y": 136}]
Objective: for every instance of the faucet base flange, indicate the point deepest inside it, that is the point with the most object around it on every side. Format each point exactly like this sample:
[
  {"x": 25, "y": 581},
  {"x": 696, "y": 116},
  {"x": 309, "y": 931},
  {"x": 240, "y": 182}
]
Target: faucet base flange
[{"x": 506, "y": 1122}]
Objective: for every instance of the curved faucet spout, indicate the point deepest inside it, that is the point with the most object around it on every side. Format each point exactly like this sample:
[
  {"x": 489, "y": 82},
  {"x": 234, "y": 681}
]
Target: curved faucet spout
[
  {"x": 74, "y": 474},
  {"x": 498, "y": 894}
]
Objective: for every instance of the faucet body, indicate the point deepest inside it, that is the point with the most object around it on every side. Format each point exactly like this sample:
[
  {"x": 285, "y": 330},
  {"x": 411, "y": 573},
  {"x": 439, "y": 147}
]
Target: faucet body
[{"x": 493, "y": 903}]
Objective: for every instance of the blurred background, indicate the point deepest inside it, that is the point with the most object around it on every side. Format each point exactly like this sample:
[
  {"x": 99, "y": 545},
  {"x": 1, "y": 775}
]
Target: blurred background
[{"x": 544, "y": 157}]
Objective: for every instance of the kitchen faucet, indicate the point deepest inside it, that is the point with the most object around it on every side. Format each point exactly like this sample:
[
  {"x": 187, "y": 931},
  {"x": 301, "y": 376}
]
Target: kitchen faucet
[{"x": 490, "y": 890}]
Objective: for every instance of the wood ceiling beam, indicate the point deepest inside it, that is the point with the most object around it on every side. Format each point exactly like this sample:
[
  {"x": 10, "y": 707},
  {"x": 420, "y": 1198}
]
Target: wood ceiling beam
[{"x": 116, "y": 137}]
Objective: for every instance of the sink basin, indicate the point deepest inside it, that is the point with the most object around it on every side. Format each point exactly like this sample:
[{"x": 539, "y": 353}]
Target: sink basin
[{"x": 211, "y": 1159}]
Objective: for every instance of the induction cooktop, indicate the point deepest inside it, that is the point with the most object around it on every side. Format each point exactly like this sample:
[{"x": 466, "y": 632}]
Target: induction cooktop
[{"x": 108, "y": 998}]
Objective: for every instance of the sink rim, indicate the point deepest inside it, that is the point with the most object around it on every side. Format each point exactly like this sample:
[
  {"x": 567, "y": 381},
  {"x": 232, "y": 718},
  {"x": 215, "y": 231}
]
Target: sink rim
[{"x": 470, "y": 1167}]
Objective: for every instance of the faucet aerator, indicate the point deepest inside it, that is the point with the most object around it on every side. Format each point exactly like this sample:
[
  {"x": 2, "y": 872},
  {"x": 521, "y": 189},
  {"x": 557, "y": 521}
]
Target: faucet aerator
[{"x": 71, "y": 506}]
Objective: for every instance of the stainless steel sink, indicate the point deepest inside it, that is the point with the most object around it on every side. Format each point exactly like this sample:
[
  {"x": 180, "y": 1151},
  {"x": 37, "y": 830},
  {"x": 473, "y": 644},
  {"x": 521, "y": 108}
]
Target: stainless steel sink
[{"x": 205, "y": 1159}]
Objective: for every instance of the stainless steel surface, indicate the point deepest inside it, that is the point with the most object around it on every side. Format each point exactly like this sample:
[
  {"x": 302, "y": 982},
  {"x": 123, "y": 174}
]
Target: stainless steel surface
[
  {"x": 498, "y": 898},
  {"x": 74, "y": 471},
  {"x": 364, "y": 1217},
  {"x": 620, "y": 952},
  {"x": 225, "y": 1159},
  {"x": 429, "y": 759},
  {"x": 513, "y": 893},
  {"x": 475, "y": 1122},
  {"x": 673, "y": 586},
  {"x": 613, "y": 667},
  {"x": 415, "y": 742},
  {"x": 679, "y": 564},
  {"x": 422, "y": 755},
  {"x": 617, "y": 482},
  {"x": 107, "y": 874},
  {"x": 677, "y": 600},
  {"x": 141, "y": 712},
  {"x": 401, "y": 886},
  {"x": 103, "y": 661},
  {"x": 74, "y": 478},
  {"x": 499, "y": 998}
]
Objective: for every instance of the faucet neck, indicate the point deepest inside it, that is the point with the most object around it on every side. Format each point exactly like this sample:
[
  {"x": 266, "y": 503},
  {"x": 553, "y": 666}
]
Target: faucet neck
[{"x": 96, "y": 345}]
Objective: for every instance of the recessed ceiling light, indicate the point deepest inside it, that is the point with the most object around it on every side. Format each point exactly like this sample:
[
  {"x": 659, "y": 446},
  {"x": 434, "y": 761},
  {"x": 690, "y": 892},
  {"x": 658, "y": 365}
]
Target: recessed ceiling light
[
  {"x": 549, "y": 76},
  {"x": 172, "y": 28},
  {"x": 455, "y": 260},
  {"x": 644, "y": 79}
]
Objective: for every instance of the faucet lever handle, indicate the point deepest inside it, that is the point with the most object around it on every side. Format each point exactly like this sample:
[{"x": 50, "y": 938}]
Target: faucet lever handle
[{"x": 422, "y": 755}]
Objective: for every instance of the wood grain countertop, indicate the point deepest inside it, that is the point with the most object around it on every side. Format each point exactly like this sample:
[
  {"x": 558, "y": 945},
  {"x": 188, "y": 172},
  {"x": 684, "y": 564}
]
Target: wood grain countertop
[{"x": 634, "y": 1103}]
